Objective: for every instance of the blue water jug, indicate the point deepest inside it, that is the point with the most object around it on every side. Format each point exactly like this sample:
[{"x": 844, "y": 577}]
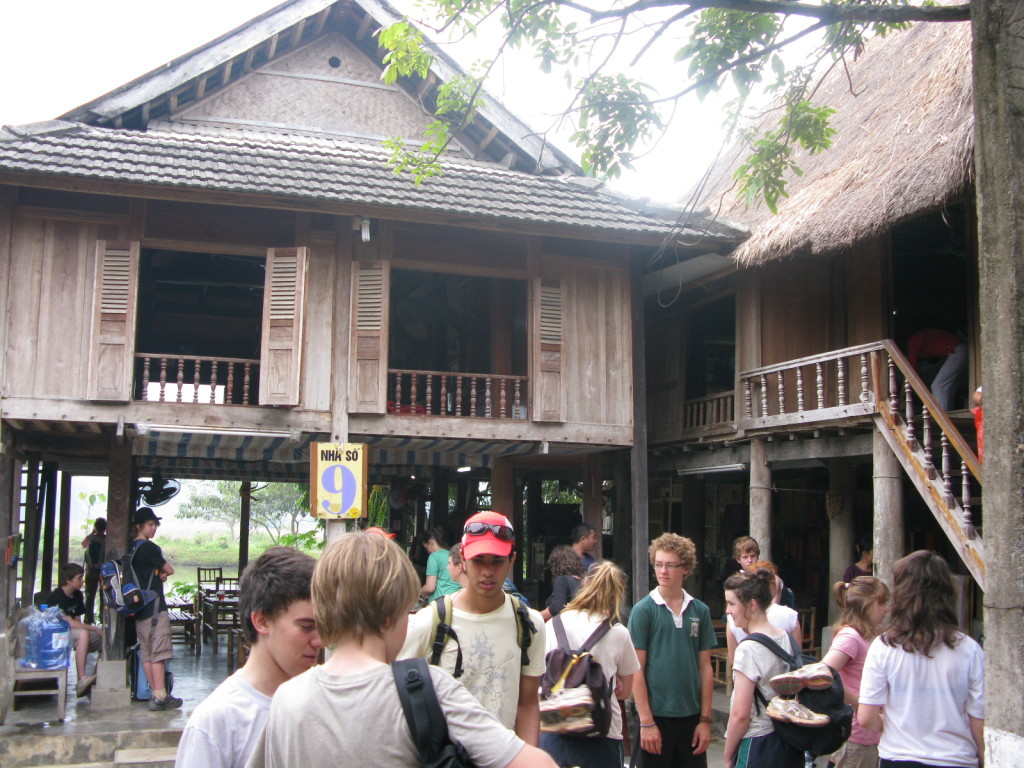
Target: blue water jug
[
  {"x": 54, "y": 639},
  {"x": 30, "y": 632}
]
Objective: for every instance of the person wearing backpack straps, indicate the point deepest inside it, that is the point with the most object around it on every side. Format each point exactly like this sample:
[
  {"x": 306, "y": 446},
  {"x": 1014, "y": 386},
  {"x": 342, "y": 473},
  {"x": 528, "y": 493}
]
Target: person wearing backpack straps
[
  {"x": 597, "y": 602},
  {"x": 750, "y": 738},
  {"x": 491, "y": 635},
  {"x": 350, "y": 711},
  {"x": 152, "y": 625}
]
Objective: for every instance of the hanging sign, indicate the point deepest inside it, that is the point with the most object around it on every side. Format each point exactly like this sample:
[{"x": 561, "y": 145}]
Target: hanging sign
[{"x": 337, "y": 480}]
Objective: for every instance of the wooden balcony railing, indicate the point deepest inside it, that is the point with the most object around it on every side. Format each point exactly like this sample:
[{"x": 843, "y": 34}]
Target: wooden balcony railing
[
  {"x": 181, "y": 379},
  {"x": 710, "y": 414},
  {"x": 438, "y": 393}
]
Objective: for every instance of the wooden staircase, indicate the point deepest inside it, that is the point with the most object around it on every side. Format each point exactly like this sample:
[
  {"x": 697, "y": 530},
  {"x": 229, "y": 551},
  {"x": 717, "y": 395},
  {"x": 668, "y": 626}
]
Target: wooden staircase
[{"x": 876, "y": 382}]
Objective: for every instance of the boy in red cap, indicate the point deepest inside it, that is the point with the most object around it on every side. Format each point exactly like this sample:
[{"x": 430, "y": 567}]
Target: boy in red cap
[{"x": 502, "y": 672}]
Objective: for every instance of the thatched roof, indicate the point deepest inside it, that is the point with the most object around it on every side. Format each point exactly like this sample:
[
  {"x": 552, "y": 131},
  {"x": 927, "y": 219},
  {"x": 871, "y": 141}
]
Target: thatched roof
[{"x": 904, "y": 141}]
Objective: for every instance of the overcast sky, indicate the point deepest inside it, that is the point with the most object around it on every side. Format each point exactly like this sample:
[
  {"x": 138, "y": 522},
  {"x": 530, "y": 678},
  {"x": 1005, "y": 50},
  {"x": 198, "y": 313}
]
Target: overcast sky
[{"x": 59, "y": 54}]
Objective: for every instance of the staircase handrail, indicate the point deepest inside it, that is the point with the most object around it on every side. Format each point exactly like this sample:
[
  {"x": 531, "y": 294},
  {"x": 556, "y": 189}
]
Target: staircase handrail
[
  {"x": 812, "y": 359},
  {"x": 937, "y": 413}
]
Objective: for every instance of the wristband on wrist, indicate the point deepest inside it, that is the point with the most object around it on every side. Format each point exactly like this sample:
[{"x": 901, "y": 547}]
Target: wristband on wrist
[
  {"x": 704, "y": 719},
  {"x": 649, "y": 725}
]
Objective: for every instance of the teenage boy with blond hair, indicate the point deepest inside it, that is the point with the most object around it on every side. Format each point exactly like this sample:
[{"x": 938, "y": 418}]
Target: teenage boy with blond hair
[
  {"x": 279, "y": 625},
  {"x": 486, "y": 629},
  {"x": 673, "y": 637},
  {"x": 348, "y": 712}
]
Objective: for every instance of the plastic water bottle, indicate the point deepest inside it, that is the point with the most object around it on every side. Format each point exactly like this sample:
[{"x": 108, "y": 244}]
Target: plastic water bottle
[
  {"x": 30, "y": 631},
  {"x": 54, "y": 639}
]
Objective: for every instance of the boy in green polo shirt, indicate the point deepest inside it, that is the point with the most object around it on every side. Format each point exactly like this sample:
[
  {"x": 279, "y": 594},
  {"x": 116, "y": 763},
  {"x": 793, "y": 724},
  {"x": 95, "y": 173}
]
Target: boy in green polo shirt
[{"x": 673, "y": 636}]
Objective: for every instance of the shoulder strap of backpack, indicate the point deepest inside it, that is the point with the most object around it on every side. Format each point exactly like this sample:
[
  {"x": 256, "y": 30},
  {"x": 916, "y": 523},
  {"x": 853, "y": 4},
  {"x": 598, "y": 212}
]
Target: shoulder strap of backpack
[
  {"x": 524, "y": 630},
  {"x": 444, "y": 607},
  {"x": 422, "y": 710},
  {"x": 597, "y": 634},
  {"x": 762, "y": 639}
]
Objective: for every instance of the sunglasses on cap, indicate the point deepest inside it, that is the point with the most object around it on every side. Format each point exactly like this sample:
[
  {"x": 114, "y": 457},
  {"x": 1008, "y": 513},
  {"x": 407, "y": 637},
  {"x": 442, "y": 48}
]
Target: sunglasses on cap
[{"x": 501, "y": 532}]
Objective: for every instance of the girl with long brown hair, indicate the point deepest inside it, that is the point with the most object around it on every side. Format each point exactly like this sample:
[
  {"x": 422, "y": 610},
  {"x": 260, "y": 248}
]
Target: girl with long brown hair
[
  {"x": 863, "y": 604},
  {"x": 926, "y": 673}
]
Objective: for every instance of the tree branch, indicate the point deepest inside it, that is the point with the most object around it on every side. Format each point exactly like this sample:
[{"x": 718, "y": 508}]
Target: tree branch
[{"x": 830, "y": 14}]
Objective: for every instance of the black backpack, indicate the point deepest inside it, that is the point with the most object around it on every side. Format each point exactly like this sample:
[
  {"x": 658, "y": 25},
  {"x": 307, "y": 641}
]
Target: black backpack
[
  {"x": 575, "y": 693},
  {"x": 823, "y": 740},
  {"x": 425, "y": 718}
]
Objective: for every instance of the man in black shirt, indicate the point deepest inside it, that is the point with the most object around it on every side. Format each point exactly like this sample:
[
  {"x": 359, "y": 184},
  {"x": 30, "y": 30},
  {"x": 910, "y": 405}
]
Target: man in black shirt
[
  {"x": 152, "y": 626},
  {"x": 85, "y": 637},
  {"x": 95, "y": 545}
]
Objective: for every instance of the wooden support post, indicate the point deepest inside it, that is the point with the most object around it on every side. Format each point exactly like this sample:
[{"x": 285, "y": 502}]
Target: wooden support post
[
  {"x": 33, "y": 525},
  {"x": 638, "y": 455},
  {"x": 888, "y": 504},
  {"x": 840, "y": 528},
  {"x": 761, "y": 497},
  {"x": 8, "y": 526},
  {"x": 120, "y": 530},
  {"x": 592, "y": 509},
  {"x": 621, "y": 516},
  {"x": 64, "y": 526},
  {"x": 244, "y": 519},
  {"x": 49, "y": 487}
]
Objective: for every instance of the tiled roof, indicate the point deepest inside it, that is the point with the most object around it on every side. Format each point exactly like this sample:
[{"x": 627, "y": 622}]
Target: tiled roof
[{"x": 318, "y": 168}]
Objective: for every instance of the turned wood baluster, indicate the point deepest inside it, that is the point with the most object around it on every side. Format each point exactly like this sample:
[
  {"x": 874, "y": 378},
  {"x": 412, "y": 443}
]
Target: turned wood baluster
[
  {"x": 413, "y": 388},
  {"x": 820, "y": 384},
  {"x": 229, "y": 389},
  {"x": 214, "y": 368},
  {"x": 908, "y": 393},
  {"x": 800, "y": 390},
  {"x": 842, "y": 380},
  {"x": 865, "y": 393},
  {"x": 926, "y": 437},
  {"x": 398, "y": 393},
  {"x": 181, "y": 377},
  {"x": 487, "y": 397},
  {"x": 444, "y": 395},
  {"x": 947, "y": 479},
  {"x": 472, "y": 396},
  {"x": 965, "y": 500},
  {"x": 430, "y": 393},
  {"x": 145, "y": 378},
  {"x": 163, "y": 379},
  {"x": 195, "y": 382},
  {"x": 764, "y": 396},
  {"x": 515, "y": 396},
  {"x": 503, "y": 399},
  {"x": 458, "y": 395},
  {"x": 246, "y": 378},
  {"x": 747, "y": 404},
  {"x": 894, "y": 400}
]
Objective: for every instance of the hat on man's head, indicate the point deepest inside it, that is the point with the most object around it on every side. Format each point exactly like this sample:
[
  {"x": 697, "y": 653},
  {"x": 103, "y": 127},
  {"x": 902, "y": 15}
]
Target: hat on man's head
[
  {"x": 487, "y": 533},
  {"x": 144, "y": 515},
  {"x": 380, "y": 532}
]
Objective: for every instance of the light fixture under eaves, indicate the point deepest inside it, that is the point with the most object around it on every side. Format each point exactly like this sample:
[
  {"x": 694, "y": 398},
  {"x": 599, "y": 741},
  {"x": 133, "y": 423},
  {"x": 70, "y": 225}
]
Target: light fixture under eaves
[
  {"x": 364, "y": 230},
  {"x": 293, "y": 435},
  {"x": 463, "y": 469},
  {"x": 711, "y": 470}
]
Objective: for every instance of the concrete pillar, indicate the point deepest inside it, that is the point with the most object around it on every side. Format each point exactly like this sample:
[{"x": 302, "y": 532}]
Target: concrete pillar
[
  {"x": 888, "y": 505},
  {"x": 998, "y": 49},
  {"x": 761, "y": 497},
  {"x": 841, "y": 527}
]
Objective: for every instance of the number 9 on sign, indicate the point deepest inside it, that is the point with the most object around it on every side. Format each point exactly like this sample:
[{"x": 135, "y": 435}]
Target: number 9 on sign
[{"x": 338, "y": 480}]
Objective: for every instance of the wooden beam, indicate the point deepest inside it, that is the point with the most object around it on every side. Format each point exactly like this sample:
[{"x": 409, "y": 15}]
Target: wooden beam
[
  {"x": 297, "y": 31},
  {"x": 638, "y": 455},
  {"x": 491, "y": 134},
  {"x": 364, "y": 27},
  {"x": 33, "y": 526},
  {"x": 120, "y": 507},
  {"x": 592, "y": 498},
  {"x": 8, "y": 526},
  {"x": 272, "y": 52},
  {"x": 761, "y": 498},
  {"x": 321, "y": 20},
  {"x": 64, "y": 524},
  {"x": 225, "y": 73},
  {"x": 201, "y": 85}
]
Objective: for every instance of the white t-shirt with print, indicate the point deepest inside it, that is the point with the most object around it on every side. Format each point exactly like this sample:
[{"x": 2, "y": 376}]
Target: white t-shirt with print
[
  {"x": 614, "y": 652},
  {"x": 927, "y": 700},
  {"x": 491, "y": 659}
]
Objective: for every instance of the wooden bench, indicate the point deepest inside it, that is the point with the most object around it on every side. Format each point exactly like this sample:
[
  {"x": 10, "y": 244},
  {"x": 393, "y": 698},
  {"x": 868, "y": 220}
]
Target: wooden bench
[{"x": 183, "y": 625}]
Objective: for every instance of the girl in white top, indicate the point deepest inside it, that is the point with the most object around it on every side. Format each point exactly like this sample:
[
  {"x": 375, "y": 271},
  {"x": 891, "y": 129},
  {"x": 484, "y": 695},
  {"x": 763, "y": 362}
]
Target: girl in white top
[
  {"x": 599, "y": 599},
  {"x": 863, "y": 603},
  {"x": 780, "y": 616},
  {"x": 750, "y": 738},
  {"x": 928, "y": 676}
]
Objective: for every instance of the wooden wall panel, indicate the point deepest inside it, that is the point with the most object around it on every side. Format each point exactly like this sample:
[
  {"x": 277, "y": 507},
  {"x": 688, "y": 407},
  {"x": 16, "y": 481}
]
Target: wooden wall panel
[
  {"x": 866, "y": 274},
  {"x": 27, "y": 248},
  {"x": 794, "y": 310},
  {"x": 666, "y": 365},
  {"x": 748, "y": 321},
  {"x": 319, "y": 337}
]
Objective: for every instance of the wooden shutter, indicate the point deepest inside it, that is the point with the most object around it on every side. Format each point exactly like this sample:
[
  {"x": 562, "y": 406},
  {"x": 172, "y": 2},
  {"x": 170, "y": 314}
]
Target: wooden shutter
[
  {"x": 549, "y": 395},
  {"x": 112, "y": 341},
  {"x": 368, "y": 372},
  {"x": 284, "y": 296}
]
